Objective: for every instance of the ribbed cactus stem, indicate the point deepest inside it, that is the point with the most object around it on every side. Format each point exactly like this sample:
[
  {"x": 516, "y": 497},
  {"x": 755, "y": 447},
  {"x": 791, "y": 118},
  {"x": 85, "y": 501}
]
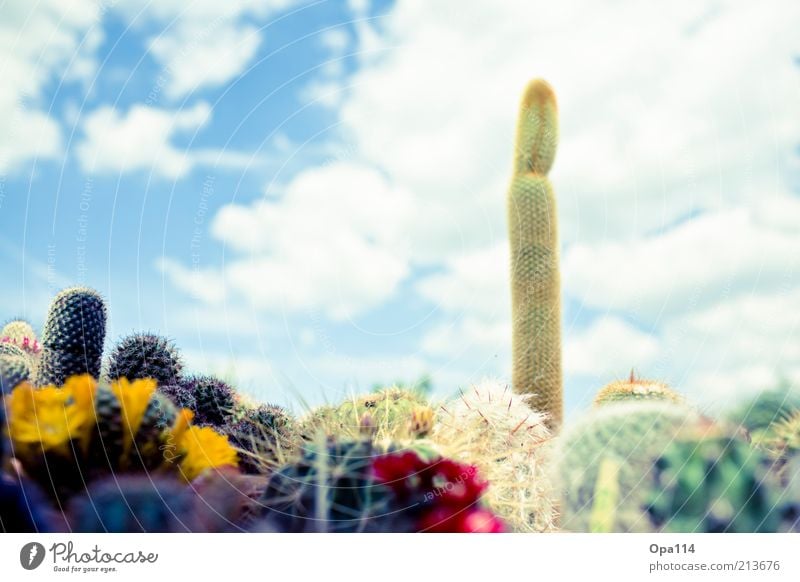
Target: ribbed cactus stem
[{"x": 533, "y": 232}]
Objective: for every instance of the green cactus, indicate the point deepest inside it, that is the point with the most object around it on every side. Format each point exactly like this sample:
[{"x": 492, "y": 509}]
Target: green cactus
[
  {"x": 636, "y": 389},
  {"x": 633, "y": 435},
  {"x": 533, "y": 232},
  {"x": 214, "y": 400},
  {"x": 331, "y": 488},
  {"x": 21, "y": 334},
  {"x": 766, "y": 408},
  {"x": 133, "y": 504},
  {"x": 391, "y": 413},
  {"x": 145, "y": 355},
  {"x": 712, "y": 485},
  {"x": 264, "y": 435},
  {"x": 13, "y": 370},
  {"x": 74, "y": 332},
  {"x": 783, "y": 443}
]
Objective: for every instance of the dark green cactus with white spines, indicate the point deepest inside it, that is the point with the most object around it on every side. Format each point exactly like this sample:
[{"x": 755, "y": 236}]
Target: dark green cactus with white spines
[
  {"x": 146, "y": 355},
  {"x": 133, "y": 504},
  {"x": 634, "y": 435},
  {"x": 533, "y": 233},
  {"x": 329, "y": 489},
  {"x": 712, "y": 485},
  {"x": 73, "y": 337}
]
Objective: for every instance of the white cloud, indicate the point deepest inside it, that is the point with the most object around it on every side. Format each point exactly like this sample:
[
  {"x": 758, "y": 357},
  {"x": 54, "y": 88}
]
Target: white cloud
[
  {"x": 39, "y": 41},
  {"x": 143, "y": 139},
  {"x": 326, "y": 93},
  {"x": 202, "y": 43},
  {"x": 609, "y": 348},
  {"x": 331, "y": 242},
  {"x": 335, "y": 39},
  {"x": 697, "y": 263}
]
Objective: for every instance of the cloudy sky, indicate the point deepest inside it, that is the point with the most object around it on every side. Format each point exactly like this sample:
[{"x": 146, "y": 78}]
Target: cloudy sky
[{"x": 310, "y": 195}]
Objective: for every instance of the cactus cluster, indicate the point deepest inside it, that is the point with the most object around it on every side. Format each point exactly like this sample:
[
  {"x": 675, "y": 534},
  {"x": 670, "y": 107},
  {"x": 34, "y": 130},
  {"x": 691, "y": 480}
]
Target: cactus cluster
[
  {"x": 533, "y": 233},
  {"x": 634, "y": 434}
]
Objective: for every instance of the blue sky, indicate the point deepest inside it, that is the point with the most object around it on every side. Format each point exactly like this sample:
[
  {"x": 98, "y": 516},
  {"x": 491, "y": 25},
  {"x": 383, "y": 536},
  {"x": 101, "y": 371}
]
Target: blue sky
[{"x": 310, "y": 196}]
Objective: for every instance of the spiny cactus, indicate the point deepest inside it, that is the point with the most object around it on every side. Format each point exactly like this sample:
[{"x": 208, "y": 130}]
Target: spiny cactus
[
  {"x": 180, "y": 393},
  {"x": 634, "y": 434},
  {"x": 331, "y": 488},
  {"x": 636, "y": 389},
  {"x": 13, "y": 371},
  {"x": 498, "y": 431},
  {"x": 20, "y": 333},
  {"x": 214, "y": 399},
  {"x": 74, "y": 332},
  {"x": 768, "y": 407},
  {"x": 265, "y": 436},
  {"x": 712, "y": 485},
  {"x": 133, "y": 504},
  {"x": 783, "y": 443},
  {"x": 145, "y": 355},
  {"x": 390, "y": 412},
  {"x": 83, "y": 431},
  {"x": 533, "y": 232}
]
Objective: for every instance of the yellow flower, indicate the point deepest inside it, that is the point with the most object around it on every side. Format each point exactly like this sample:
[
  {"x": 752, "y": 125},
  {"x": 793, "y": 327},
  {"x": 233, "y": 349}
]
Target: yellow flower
[
  {"x": 204, "y": 449},
  {"x": 133, "y": 398},
  {"x": 48, "y": 416}
]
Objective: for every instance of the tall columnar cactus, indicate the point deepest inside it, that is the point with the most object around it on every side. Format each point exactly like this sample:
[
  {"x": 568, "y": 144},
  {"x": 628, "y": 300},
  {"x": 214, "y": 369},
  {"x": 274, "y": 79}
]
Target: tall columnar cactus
[
  {"x": 633, "y": 435},
  {"x": 74, "y": 332},
  {"x": 535, "y": 285},
  {"x": 145, "y": 355}
]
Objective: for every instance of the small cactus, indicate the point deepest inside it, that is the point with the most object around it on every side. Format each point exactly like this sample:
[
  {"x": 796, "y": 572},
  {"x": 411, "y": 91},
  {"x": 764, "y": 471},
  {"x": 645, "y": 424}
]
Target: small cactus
[
  {"x": 13, "y": 371},
  {"x": 145, "y": 355},
  {"x": 496, "y": 430},
  {"x": 636, "y": 389},
  {"x": 390, "y": 411},
  {"x": 712, "y": 485},
  {"x": 20, "y": 333},
  {"x": 74, "y": 332},
  {"x": 134, "y": 504},
  {"x": 264, "y": 435},
  {"x": 634, "y": 434},
  {"x": 533, "y": 232},
  {"x": 214, "y": 399}
]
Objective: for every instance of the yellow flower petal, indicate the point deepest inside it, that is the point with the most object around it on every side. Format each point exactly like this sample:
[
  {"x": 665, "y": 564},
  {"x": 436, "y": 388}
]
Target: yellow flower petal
[
  {"x": 204, "y": 449},
  {"x": 134, "y": 398}
]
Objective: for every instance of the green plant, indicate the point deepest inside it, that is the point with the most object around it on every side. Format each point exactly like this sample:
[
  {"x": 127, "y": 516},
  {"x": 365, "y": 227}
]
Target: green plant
[
  {"x": 636, "y": 389},
  {"x": 389, "y": 412},
  {"x": 331, "y": 488},
  {"x": 783, "y": 443},
  {"x": 20, "y": 333},
  {"x": 74, "y": 332},
  {"x": 13, "y": 371},
  {"x": 533, "y": 232},
  {"x": 765, "y": 408},
  {"x": 712, "y": 485},
  {"x": 264, "y": 435},
  {"x": 145, "y": 355},
  {"x": 132, "y": 504},
  {"x": 214, "y": 400},
  {"x": 633, "y": 434}
]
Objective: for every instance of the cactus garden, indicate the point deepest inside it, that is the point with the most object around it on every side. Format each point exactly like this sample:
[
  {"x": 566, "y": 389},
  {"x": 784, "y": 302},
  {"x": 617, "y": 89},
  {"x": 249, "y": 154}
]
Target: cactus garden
[{"x": 119, "y": 434}]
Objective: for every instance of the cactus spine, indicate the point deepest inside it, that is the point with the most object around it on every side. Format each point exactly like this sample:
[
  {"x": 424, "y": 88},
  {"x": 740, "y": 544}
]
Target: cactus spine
[{"x": 535, "y": 285}]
